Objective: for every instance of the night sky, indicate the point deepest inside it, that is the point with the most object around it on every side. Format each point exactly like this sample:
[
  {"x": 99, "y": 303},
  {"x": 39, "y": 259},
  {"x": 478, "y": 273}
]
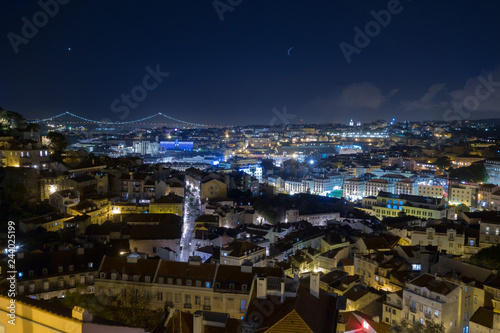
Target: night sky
[{"x": 235, "y": 71}]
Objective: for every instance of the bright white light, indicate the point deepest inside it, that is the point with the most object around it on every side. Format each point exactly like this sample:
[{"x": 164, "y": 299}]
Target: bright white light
[
  {"x": 52, "y": 188},
  {"x": 311, "y": 162}
]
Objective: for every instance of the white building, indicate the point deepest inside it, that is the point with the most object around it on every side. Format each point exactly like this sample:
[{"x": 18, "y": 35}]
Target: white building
[
  {"x": 146, "y": 147},
  {"x": 451, "y": 304}
]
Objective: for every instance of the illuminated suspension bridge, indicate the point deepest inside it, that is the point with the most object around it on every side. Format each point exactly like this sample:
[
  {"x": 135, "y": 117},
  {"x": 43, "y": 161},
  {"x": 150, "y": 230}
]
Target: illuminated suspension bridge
[{"x": 105, "y": 122}]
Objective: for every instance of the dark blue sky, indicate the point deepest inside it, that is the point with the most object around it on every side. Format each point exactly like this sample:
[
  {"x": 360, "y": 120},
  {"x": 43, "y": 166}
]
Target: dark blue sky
[{"x": 237, "y": 70}]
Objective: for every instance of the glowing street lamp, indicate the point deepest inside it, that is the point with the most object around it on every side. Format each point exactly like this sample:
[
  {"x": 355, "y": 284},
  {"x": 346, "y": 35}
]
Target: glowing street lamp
[{"x": 52, "y": 189}]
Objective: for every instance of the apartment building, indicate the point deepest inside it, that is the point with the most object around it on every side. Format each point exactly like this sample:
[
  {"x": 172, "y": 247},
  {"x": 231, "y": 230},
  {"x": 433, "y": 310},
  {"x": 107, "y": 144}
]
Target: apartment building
[
  {"x": 237, "y": 252},
  {"x": 374, "y": 186},
  {"x": 391, "y": 205},
  {"x": 392, "y": 309},
  {"x": 382, "y": 270},
  {"x": 53, "y": 274},
  {"x": 406, "y": 186},
  {"x": 30, "y": 155},
  {"x": 450, "y": 240},
  {"x": 439, "y": 300},
  {"x": 49, "y": 222},
  {"x": 433, "y": 191},
  {"x": 189, "y": 286},
  {"x": 354, "y": 188},
  {"x": 140, "y": 186},
  {"x": 493, "y": 169},
  {"x": 464, "y": 194},
  {"x": 213, "y": 188},
  {"x": 489, "y": 232},
  {"x": 171, "y": 204},
  {"x": 485, "y": 194}
]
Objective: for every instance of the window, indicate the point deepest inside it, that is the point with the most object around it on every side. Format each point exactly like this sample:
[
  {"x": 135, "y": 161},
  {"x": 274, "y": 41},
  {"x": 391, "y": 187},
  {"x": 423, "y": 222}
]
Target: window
[
  {"x": 197, "y": 300},
  {"x": 416, "y": 267},
  {"x": 207, "y": 284},
  {"x": 91, "y": 264},
  {"x": 243, "y": 304},
  {"x": 160, "y": 296},
  {"x": 60, "y": 269},
  {"x": 71, "y": 268},
  {"x": 436, "y": 313}
]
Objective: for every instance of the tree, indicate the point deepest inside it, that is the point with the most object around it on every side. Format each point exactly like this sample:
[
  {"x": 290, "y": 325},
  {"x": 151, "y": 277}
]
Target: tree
[
  {"x": 462, "y": 208},
  {"x": 427, "y": 327},
  {"x": 476, "y": 173},
  {"x": 135, "y": 309},
  {"x": 10, "y": 119},
  {"x": 57, "y": 141},
  {"x": 132, "y": 306},
  {"x": 488, "y": 257},
  {"x": 443, "y": 162},
  {"x": 13, "y": 193},
  {"x": 58, "y": 144}
]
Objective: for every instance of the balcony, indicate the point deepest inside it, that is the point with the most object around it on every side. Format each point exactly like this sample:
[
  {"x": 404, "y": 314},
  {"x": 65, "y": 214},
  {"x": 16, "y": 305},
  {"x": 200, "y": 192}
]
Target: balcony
[
  {"x": 187, "y": 305},
  {"x": 428, "y": 315},
  {"x": 207, "y": 307},
  {"x": 413, "y": 310}
]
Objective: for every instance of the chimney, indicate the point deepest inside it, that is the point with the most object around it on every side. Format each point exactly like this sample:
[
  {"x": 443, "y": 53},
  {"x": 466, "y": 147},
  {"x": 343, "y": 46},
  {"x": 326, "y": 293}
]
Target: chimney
[
  {"x": 198, "y": 322},
  {"x": 296, "y": 275},
  {"x": 282, "y": 292},
  {"x": 314, "y": 284},
  {"x": 261, "y": 287},
  {"x": 81, "y": 314}
]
